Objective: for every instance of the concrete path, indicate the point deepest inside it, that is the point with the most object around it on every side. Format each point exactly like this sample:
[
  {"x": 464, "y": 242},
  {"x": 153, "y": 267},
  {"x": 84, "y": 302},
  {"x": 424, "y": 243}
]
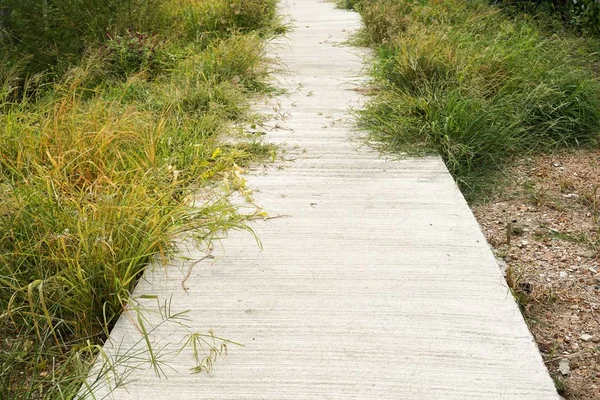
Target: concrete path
[{"x": 379, "y": 284}]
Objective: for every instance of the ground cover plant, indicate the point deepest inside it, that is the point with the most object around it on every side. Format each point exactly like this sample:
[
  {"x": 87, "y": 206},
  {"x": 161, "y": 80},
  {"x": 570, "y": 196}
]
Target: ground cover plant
[
  {"x": 475, "y": 84},
  {"x": 110, "y": 123}
]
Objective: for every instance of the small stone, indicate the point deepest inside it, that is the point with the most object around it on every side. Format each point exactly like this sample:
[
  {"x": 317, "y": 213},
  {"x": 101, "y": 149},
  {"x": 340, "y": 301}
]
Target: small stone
[
  {"x": 586, "y": 337},
  {"x": 564, "y": 367},
  {"x": 563, "y": 274}
]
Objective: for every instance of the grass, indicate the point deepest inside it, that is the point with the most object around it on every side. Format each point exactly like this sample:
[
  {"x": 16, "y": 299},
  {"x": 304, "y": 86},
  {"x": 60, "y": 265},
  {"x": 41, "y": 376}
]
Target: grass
[
  {"x": 99, "y": 170},
  {"x": 477, "y": 85}
]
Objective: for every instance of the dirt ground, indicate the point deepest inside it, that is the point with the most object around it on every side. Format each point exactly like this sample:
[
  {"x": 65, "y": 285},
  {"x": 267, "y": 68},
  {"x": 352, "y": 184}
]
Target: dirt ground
[{"x": 544, "y": 225}]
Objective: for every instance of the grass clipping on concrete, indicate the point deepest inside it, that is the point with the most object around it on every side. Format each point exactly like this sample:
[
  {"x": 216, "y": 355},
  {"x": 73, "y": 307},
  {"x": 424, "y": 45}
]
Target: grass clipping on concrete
[
  {"x": 476, "y": 85},
  {"x": 98, "y": 171}
]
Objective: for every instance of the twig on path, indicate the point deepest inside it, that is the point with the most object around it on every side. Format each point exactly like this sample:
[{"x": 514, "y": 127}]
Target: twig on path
[
  {"x": 209, "y": 255},
  {"x": 276, "y": 216},
  {"x": 567, "y": 356}
]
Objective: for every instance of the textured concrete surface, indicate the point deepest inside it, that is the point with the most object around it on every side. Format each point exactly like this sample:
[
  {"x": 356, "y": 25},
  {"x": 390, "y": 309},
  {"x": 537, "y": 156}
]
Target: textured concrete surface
[{"x": 377, "y": 285}]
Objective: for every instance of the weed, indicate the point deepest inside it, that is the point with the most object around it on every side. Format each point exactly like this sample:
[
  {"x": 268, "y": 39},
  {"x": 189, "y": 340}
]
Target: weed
[
  {"x": 520, "y": 289},
  {"x": 591, "y": 199},
  {"x": 566, "y": 185},
  {"x": 537, "y": 195},
  {"x": 517, "y": 230},
  {"x": 581, "y": 237},
  {"x": 561, "y": 388},
  {"x": 132, "y": 53},
  {"x": 113, "y": 368}
]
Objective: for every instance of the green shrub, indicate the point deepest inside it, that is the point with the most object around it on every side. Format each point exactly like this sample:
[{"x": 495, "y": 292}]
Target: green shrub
[
  {"x": 133, "y": 52},
  {"x": 583, "y": 15},
  {"x": 51, "y": 34}
]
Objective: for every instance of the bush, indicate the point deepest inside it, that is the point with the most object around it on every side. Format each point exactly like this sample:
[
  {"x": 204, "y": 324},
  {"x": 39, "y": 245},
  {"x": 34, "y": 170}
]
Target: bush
[
  {"x": 52, "y": 34},
  {"x": 133, "y": 52},
  {"x": 583, "y": 15}
]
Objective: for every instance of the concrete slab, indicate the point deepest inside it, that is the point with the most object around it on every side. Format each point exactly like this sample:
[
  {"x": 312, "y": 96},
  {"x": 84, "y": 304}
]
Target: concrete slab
[{"x": 377, "y": 283}]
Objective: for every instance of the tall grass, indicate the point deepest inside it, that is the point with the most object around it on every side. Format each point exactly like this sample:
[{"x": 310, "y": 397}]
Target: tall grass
[
  {"x": 475, "y": 85},
  {"x": 99, "y": 168}
]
